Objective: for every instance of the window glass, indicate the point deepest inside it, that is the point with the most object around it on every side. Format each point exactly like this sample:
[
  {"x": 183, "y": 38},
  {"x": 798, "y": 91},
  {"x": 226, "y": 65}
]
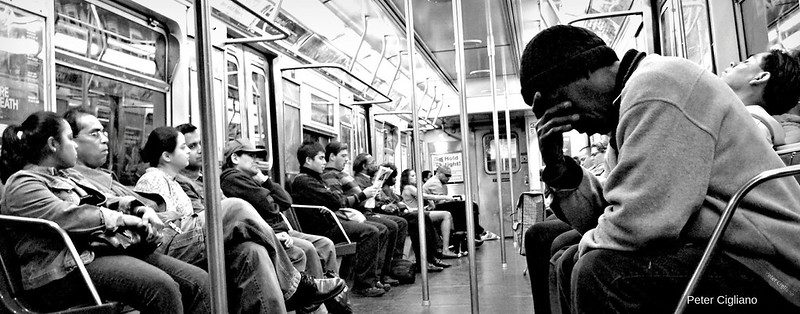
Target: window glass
[
  {"x": 233, "y": 109},
  {"x": 321, "y": 110},
  {"x": 345, "y": 115},
  {"x": 96, "y": 33},
  {"x": 361, "y": 133},
  {"x": 379, "y": 136},
  {"x": 127, "y": 112},
  {"x": 667, "y": 32},
  {"x": 698, "y": 35},
  {"x": 490, "y": 150},
  {"x": 783, "y": 20},
  {"x": 291, "y": 125},
  {"x": 22, "y": 65},
  {"x": 258, "y": 112},
  {"x": 389, "y": 143},
  {"x": 312, "y": 136}
]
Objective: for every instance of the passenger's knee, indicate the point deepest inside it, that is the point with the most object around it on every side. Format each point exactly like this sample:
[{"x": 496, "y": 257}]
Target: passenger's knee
[{"x": 592, "y": 270}]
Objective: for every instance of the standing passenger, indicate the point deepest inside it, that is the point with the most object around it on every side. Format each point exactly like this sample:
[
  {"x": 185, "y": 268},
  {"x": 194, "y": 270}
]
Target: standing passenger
[
  {"x": 681, "y": 145},
  {"x": 34, "y": 158}
]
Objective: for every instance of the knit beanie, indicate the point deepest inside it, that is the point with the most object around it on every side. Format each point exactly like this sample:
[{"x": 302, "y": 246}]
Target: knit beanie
[{"x": 560, "y": 55}]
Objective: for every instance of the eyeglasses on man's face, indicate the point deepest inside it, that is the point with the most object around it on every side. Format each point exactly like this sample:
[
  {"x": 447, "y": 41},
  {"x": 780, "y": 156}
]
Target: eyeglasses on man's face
[{"x": 97, "y": 134}]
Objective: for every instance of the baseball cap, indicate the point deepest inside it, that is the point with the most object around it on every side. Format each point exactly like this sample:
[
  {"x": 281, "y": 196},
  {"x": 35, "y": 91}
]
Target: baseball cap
[
  {"x": 242, "y": 145},
  {"x": 443, "y": 169}
]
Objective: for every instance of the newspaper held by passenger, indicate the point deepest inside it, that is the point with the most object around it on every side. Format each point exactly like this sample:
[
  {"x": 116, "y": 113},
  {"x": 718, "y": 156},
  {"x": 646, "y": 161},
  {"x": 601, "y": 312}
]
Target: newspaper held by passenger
[{"x": 377, "y": 181}]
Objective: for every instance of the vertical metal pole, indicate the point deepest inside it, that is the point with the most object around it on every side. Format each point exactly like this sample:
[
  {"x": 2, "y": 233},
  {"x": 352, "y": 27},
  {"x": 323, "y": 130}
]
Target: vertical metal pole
[
  {"x": 496, "y": 128},
  {"x": 214, "y": 248},
  {"x": 422, "y": 260},
  {"x": 464, "y": 117},
  {"x": 511, "y": 197}
]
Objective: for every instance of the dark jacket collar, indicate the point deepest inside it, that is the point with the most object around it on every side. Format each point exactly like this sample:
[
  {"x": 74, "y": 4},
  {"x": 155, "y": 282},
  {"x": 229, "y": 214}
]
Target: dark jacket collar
[{"x": 311, "y": 173}]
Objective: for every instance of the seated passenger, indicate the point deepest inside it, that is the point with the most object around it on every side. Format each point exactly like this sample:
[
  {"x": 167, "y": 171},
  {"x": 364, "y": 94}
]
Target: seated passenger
[
  {"x": 34, "y": 158},
  {"x": 408, "y": 190},
  {"x": 364, "y": 167},
  {"x": 681, "y": 146},
  {"x": 387, "y": 202},
  {"x": 338, "y": 180},
  {"x": 438, "y": 186},
  {"x": 426, "y": 174},
  {"x": 242, "y": 178},
  {"x": 767, "y": 83},
  {"x": 308, "y": 188},
  {"x": 594, "y": 160},
  {"x": 255, "y": 245}
]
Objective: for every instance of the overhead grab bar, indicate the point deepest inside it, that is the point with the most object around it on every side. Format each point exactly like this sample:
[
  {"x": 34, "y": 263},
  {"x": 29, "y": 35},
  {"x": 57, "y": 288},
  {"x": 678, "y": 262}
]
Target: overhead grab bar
[
  {"x": 283, "y": 32},
  {"x": 396, "y": 70},
  {"x": 360, "y": 44}
]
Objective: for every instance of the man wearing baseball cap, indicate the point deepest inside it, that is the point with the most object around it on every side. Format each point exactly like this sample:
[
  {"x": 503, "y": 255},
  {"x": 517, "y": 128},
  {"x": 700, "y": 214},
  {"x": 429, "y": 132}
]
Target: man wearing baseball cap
[
  {"x": 681, "y": 145},
  {"x": 437, "y": 185},
  {"x": 242, "y": 178}
]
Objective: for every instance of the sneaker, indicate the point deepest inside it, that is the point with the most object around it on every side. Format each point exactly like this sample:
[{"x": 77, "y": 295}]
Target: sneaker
[
  {"x": 489, "y": 236},
  {"x": 311, "y": 291},
  {"x": 370, "y": 292},
  {"x": 390, "y": 281}
]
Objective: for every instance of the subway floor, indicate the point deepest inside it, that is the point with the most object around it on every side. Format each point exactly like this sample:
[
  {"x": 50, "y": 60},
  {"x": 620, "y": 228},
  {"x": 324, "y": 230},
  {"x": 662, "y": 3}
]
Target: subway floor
[{"x": 499, "y": 290}]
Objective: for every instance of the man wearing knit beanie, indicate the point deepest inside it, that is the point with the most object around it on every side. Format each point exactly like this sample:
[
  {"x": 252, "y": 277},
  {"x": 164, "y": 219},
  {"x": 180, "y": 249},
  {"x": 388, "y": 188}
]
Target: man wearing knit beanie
[{"x": 681, "y": 145}]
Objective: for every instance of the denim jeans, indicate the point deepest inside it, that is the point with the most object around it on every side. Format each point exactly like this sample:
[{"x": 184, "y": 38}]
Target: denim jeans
[
  {"x": 456, "y": 208},
  {"x": 321, "y": 248},
  {"x": 431, "y": 237},
  {"x": 154, "y": 284},
  {"x": 397, "y": 231},
  {"x": 367, "y": 238},
  {"x": 651, "y": 281},
  {"x": 538, "y": 241},
  {"x": 383, "y": 243},
  {"x": 252, "y": 283},
  {"x": 241, "y": 223}
]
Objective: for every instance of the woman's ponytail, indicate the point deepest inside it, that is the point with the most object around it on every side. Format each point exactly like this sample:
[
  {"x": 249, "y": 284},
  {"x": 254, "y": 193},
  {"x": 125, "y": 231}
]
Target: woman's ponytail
[{"x": 11, "y": 153}]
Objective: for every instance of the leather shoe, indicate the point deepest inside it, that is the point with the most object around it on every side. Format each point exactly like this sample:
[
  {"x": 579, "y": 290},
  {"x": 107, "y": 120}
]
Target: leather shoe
[
  {"x": 438, "y": 263},
  {"x": 370, "y": 292},
  {"x": 314, "y": 291},
  {"x": 390, "y": 281},
  {"x": 431, "y": 268},
  {"x": 434, "y": 269}
]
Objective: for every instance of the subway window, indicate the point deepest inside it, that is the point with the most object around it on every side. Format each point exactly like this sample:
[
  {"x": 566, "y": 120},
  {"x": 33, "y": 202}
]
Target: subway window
[
  {"x": 112, "y": 63},
  {"x": 490, "y": 149}
]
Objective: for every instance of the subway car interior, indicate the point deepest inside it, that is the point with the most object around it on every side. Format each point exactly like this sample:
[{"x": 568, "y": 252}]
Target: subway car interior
[{"x": 439, "y": 91}]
